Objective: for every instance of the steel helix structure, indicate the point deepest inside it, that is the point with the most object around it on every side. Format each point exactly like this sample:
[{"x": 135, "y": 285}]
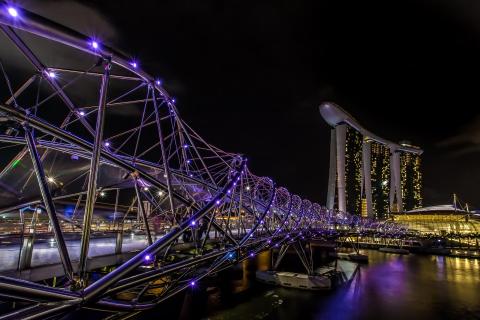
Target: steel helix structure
[{"x": 86, "y": 133}]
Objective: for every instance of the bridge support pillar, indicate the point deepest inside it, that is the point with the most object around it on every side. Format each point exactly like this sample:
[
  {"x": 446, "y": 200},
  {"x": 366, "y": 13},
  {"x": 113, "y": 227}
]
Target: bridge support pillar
[
  {"x": 119, "y": 241},
  {"x": 396, "y": 202},
  {"x": 341, "y": 136},
  {"x": 366, "y": 177},
  {"x": 26, "y": 250}
]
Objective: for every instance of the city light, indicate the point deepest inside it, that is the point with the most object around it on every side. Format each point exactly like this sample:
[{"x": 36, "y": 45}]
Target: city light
[
  {"x": 50, "y": 179},
  {"x": 160, "y": 193},
  {"x": 13, "y": 12}
]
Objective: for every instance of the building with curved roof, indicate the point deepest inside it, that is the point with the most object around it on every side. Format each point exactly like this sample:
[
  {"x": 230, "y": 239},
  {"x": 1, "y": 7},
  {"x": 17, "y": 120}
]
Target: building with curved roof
[{"x": 369, "y": 175}]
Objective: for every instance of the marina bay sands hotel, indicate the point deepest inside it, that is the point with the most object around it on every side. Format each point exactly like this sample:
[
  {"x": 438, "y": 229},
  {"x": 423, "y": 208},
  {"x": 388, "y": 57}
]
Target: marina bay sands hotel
[{"x": 368, "y": 175}]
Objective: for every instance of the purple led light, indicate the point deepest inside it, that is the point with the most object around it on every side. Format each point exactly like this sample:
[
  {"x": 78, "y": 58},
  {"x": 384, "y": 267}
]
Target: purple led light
[
  {"x": 252, "y": 255},
  {"x": 13, "y": 12},
  {"x": 173, "y": 100},
  {"x": 82, "y": 113},
  {"x": 134, "y": 64},
  {"x": 185, "y": 146},
  {"x": 147, "y": 257},
  {"x": 193, "y": 222},
  {"x": 217, "y": 202},
  {"x": 107, "y": 144},
  {"x": 158, "y": 82},
  {"x": 94, "y": 44},
  {"x": 192, "y": 283},
  {"x": 51, "y": 74}
]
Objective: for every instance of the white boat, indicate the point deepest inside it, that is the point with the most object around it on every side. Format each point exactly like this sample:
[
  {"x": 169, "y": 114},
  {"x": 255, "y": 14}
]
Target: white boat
[
  {"x": 295, "y": 280},
  {"x": 357, "y": 257}
]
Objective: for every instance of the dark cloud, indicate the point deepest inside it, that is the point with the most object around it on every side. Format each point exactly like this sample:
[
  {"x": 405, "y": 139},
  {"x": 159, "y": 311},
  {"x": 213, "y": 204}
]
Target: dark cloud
[
  {"x": 249, "y": 76},
  {"x": 75, "y": 15},
  {"x": 466, "y": 142}
]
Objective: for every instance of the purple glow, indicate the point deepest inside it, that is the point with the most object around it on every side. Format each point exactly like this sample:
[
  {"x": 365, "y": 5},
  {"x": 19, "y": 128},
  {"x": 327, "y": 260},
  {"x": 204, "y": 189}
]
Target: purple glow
[
  {"x": 51, "y": 74},
  {"x": 94, "y": 44},
  {"x": 192, "y": 283},
  {"x": 107, "y": 144},
  {"x": 217, "y": 202},
  {"x": 147, "y": 257},
  {"x": 185, "y": 146},
  {"x": 134, "y": 64},
  {"x": 13, "y": 12},
  {"x": 252, "y": 255},
  {"x": 82, "y": 113},
  {"x": 158, "y": 82},
  {"x": 173, "y": 100},
  {"x": 188, "y": 161},
  {"x": 193, "y": 222}
]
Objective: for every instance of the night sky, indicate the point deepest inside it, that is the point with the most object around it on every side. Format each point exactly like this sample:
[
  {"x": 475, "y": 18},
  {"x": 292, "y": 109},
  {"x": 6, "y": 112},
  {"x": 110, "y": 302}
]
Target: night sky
[{"x": 249, "y": 76}]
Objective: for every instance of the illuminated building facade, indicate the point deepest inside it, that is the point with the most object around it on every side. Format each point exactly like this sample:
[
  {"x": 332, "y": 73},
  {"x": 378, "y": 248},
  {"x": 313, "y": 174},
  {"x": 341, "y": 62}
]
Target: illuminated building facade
[
  {"x": 369, "y": 176},
  {"x": 380, "y": 177}
]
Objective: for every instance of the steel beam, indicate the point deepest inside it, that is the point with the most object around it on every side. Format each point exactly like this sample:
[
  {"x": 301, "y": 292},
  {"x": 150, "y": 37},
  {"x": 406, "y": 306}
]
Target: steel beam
[
  {"x": 42, "y": 69},
  {"x": 48, "y": 202},
  {"x": 93, "y": 175},
  {"x": 143, "y": 214},
  {"x": 164, "y": 157}
]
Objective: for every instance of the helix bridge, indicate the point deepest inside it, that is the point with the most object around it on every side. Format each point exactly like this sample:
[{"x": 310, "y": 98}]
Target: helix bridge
[{"x": 93, "y": 147}]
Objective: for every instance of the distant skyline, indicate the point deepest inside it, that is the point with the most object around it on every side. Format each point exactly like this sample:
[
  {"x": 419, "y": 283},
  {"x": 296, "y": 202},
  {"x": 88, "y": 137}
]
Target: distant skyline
[{"x": 249, "y": 77}]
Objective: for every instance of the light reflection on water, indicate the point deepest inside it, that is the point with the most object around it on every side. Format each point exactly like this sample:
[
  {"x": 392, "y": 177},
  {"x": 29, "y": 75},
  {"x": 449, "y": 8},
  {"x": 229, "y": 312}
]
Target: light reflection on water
[{"x": 389, "y": 287}]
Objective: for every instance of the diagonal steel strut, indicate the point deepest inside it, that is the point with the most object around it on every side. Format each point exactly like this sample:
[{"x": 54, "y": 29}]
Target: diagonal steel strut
[{"x": 92, "y": 178}]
